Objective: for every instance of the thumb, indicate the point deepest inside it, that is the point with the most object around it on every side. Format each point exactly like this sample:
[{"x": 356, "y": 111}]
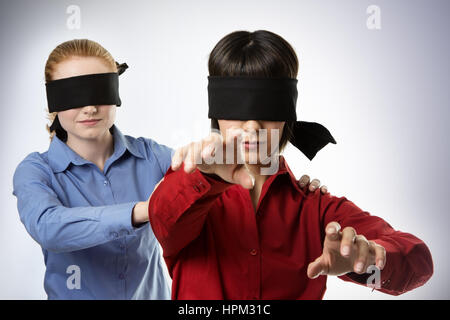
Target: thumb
[
  {"x": 316, "y": 268},
  {"x": 243, "y": 177}
]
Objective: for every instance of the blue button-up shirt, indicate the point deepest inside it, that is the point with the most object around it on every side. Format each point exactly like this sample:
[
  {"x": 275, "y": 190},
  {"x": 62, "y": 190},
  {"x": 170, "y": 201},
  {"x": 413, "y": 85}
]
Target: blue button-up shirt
[{"x": 81, "y": 217}]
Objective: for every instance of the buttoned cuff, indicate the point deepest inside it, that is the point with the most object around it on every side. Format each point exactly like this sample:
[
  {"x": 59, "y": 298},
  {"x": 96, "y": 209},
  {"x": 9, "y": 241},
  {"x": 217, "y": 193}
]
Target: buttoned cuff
[
  {"x": 371, "y": 279},
  {"x": 117, "y": 220},
  {"x": 217, "y": 184},
  {"x": 180, "y": 190},
  {"x": 201, "y": 183},
  {"x": 388, "y": 270}
]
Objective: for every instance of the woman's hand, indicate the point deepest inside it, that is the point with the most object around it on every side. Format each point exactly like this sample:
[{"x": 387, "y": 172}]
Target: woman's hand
[
  {"x": 140, "y": 213},
  {"x": 345, "y": 251},
  {"x": 196, "y": 155},
  {"x": 304, "y": 182},
  {"x": 201, "y": 155}
]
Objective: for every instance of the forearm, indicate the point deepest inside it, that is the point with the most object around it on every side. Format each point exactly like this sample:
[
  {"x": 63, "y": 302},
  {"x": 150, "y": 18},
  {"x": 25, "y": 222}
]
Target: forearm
[
  {"x": 179, "y": 207},
  {"x": 62, "y": 229},
  {"x": 408, "y": 260}
]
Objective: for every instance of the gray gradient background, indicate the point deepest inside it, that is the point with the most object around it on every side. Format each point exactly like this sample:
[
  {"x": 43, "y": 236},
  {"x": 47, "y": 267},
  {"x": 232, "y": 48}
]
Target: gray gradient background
[{"x": 384, "y": 95}]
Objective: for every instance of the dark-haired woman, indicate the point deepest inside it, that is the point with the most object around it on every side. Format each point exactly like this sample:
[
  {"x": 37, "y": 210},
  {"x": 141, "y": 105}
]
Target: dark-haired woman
[{"x": 229, "y": 230}]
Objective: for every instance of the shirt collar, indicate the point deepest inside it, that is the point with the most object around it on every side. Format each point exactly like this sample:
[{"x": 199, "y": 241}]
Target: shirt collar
[
  {"x": 122, "y": 143},
  {"x": 60, "y": 155},
  {"x": 284, "y": 170}
]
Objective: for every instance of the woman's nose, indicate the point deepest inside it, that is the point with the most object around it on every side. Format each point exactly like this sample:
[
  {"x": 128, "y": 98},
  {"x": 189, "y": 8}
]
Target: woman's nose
[
  {"x": 250, "y": 125},
  {"x": 90, "y": 109}
]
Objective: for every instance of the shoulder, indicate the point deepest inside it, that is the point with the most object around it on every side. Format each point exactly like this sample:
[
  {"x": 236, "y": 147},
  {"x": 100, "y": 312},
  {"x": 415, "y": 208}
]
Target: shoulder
[
  {"x": 337, "y": 208},
  {"x": 325, "y": 200},
  {"x": 147, "y": 147},
  {"x": 152, "y": 150},
  {"x": 34, "y": 166},
  {"x": 35, "y": 160}
]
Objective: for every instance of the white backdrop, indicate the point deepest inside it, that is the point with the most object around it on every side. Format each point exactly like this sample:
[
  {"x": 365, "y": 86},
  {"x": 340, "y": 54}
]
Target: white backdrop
[{"x": 383, "y": 94}]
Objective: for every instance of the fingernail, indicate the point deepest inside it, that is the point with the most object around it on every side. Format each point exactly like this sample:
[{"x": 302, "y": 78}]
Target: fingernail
[
  {"x": 345, "y": 250},
  {"x": 359, "y": 266},
  {"x": 331, "y": 230}
]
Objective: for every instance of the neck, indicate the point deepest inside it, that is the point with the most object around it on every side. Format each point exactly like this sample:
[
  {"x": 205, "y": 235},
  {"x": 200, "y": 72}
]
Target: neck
[
  {"x": 95, "y": 150},
  {"x": 255, "y": 193},
  {"x": 255, "y": 170}
]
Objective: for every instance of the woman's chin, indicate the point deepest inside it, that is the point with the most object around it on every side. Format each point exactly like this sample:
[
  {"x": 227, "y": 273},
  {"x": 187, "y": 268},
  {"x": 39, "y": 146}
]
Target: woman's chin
[{"x": 90, "y": 133}]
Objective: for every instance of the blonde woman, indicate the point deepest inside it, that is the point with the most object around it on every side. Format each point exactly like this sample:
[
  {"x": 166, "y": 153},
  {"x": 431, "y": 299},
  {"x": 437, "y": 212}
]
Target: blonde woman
[{"x": 85, "y": 199}]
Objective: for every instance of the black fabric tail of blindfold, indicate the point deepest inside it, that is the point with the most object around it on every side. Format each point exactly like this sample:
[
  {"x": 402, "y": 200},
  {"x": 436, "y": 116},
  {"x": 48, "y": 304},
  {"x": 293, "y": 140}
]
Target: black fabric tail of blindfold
[
  {"x": 246, "y": 98},
  {"x": 86, "y": 90},
  {"x": 310, "y": 137}
]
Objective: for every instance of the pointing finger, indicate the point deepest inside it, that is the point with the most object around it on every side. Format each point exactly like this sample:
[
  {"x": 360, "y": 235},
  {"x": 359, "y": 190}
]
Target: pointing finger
[
  {"x": 190, "y": 159},
  {"x": 178, "y": 158},
  {"x": 332, "y": 230},
  {"x": 212, "y": 147},
  {"x": 380, "y": 255},
  {"x": 348, "y": 239},
  {"x": 361, "y": 262}
]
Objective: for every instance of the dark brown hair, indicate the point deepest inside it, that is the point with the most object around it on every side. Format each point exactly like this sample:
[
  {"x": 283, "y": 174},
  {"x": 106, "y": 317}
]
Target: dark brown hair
[{"x": 257, "y": 54}]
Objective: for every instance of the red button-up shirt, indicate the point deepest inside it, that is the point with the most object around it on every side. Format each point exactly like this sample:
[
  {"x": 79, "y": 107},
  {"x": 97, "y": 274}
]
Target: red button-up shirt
[{"x": 217, "y": 247}]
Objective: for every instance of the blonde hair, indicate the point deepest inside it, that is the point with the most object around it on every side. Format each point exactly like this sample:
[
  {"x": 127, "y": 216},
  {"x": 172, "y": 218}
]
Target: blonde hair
[{"x": 74, "y": 48}]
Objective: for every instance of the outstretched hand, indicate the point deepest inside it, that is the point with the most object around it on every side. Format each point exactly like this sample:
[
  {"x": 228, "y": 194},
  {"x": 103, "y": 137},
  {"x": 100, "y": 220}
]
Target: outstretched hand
[
  {"x": 345, "y": 251},
  {"x": 201, "y": 155}
]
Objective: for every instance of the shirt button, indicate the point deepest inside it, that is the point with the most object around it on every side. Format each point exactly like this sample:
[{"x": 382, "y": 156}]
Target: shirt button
[
  {"x": 385, "y": 282},
  {"x": 253, "y": 252},
  {"x": 105, "y": 182}
]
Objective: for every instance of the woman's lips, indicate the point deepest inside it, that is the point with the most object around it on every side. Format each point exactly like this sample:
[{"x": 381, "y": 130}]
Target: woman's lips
[
  {"x": 92, "y": 122},
  {"x": 251, "y": 145}
]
